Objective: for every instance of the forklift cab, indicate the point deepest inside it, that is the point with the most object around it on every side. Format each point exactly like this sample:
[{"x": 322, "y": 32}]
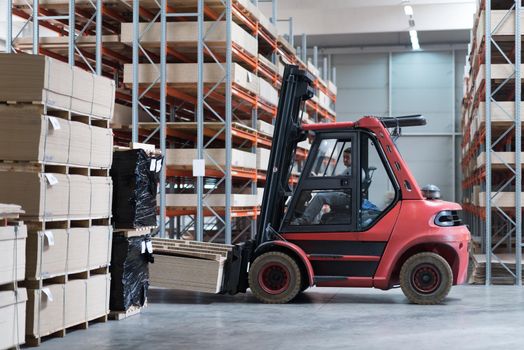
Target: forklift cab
[{"x": 346, "y": 185}]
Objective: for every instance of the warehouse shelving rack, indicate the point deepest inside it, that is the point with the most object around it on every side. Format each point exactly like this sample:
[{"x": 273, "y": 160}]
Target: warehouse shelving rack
[
  {"x": 178, "y": 118},
  {"x": 491, "y": 146}
]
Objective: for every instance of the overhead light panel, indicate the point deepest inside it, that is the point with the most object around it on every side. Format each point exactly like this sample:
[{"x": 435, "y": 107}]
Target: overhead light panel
[
  {"x": 408, "y": 10},
  {"x": 413, "y": 36}
]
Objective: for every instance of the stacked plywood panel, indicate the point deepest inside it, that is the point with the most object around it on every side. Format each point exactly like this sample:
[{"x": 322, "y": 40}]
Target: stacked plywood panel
[
  {"x": 13, "y": 299},
  {"x": 55, "y": 154},
  {"x": 187, "y": 265},
  {"x": 500, "y": 274}
]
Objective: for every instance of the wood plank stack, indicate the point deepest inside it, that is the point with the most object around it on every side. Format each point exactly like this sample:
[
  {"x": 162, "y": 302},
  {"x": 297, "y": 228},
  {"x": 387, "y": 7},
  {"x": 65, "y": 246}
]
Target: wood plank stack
[
  {"x": 13, "y": 299},
  {"x": 55, "y": 155},
  {"x": 188, "y": 265},
  {"x": 499, "y": 273}
]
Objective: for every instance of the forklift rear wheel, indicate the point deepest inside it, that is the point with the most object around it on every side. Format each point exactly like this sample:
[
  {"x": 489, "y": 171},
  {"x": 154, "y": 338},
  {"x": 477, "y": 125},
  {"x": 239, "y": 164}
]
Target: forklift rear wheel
[
  {"x": 275, "y": 278},
  {"x": 426, "y": 278}
]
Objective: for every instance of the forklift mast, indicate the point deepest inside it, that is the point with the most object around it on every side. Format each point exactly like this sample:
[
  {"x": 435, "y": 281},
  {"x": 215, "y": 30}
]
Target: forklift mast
[{"x": 297, "y": 87}]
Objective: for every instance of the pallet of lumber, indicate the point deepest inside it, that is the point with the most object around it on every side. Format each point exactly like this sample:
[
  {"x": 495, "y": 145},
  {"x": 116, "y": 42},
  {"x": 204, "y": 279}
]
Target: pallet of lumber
[
  {"x": 184, "y": 36},
  {"x": 499, "y": 274},
  {"x": 188, "y": 200},
  {"x": 44, "y": 80},
  {"x": 181, "y": 158},
  {"x": 194, "y": 266},
  {"x": 184, "y": 76}
]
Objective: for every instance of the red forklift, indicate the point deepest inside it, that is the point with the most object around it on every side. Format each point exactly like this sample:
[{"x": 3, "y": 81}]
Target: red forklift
[{"x": 356, "y": 218}]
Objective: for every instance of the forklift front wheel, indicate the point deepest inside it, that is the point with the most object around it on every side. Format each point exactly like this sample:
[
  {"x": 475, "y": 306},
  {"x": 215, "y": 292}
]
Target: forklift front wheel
[
  {"x": 426, "y": 278},
  {"x": 275, "y": 278}
]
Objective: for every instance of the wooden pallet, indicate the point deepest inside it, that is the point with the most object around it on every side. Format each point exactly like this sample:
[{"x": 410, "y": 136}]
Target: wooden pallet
[{"x": 121, "y": 315}]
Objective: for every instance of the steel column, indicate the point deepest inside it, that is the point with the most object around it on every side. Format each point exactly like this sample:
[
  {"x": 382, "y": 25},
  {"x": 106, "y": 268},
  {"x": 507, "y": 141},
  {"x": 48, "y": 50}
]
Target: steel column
[
  {"x": 163, "y": 85},
  {"x": 518, "y": 147},
  {"x": 199, "y": 222},
  {"x": 304, "y": 47},
  {"x": 36, "y": 33},
  {"x": 72, "y": 33},
  {"x": 136, "y": 62},
  {"x": 9, "y": 38},
  {"x": 98, "y": 52},
  {"x": 488, "y": 140},
  {"x": 228, "y": 119}
]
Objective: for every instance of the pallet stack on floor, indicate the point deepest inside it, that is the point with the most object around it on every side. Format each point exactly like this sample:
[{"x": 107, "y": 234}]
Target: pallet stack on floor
[
  {"x": 55, "y": 154},
  {"x": 13, "y": 298},
  {"x": 489, "y": 108}
]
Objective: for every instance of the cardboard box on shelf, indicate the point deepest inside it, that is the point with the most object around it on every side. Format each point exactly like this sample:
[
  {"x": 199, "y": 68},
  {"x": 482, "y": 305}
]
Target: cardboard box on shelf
[
  {"x": 99, "y": 246},
  {"x": 101, "y": 147},
  {"x": 80, "y": 146},
  {"x": 75, "y": 302},
  {"x": 45, "y": 310},
  {"x": 27, "y": 135},
  {"x": 12, "y": 317},
  {"x": 79, "y": 196},
  {"x": 78, "y": 249},
  {"x": 12, "y": 243},
  {"x": 101, "y": 196},
  {"x": 46, "y": 254},
  {"x": 98, "y": 287},
  {"x": 40, "y": 194}
]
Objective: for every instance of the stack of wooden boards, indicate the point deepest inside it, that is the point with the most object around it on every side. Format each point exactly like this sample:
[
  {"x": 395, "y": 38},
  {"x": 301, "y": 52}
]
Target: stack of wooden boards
[
  {"x": 13, "y": 299},
  {"x": 500, "y": 274},
  {"x": 188, "y": 265},
  {"x": 55, "y": 154}
]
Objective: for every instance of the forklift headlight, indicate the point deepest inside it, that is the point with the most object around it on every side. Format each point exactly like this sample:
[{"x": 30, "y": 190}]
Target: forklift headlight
[{"x": 448, "y": 218}]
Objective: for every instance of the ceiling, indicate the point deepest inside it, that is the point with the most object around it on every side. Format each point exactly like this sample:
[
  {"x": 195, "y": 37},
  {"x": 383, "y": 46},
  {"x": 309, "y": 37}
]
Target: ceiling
[{"x": 338, "y": 23}]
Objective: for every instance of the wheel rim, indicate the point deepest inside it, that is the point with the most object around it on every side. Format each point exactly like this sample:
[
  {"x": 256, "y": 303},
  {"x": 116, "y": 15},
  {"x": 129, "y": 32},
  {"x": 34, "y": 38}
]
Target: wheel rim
[
  {"x": 274, "y": 278},
  {"x": 426, "y": 278}
]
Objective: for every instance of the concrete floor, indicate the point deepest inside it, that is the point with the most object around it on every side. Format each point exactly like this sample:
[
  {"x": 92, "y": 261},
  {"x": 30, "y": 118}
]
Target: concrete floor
[{"x": 473, "y": 317}]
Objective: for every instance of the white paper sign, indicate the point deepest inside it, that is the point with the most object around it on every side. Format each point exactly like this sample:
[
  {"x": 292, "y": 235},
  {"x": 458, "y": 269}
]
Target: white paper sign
[
  {"x": 158, "y": 165},
  {"x": 48, "y": 293},
  {"x": 149, "y": 246},
  {"x": 143, "y": 250},
  {"x": 152, "y": 165},
  {"x": 51, "y": 179},
  {"x": 199, "y": 167},
  {"x": 55, "y": 123},
  {"x": 50, "y": 238}
]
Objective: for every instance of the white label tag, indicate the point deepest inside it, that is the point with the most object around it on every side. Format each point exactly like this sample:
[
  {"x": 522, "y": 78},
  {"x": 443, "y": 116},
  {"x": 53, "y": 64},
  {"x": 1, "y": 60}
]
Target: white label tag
[
  {"x": 199, "y": 167},
  {"x": 143, "y": 250},
  {"x": 55, "y": 123},
  {"x": 50, "y": 238},
  {"x": 48, "y": 293},
  {"x": 51, "y": 179},
  {"x": 249, "y": 77},
  {"x": 149, "y": 246},
  {"x": 152, "y": 165},
  {"x": 158, "y": 165}
]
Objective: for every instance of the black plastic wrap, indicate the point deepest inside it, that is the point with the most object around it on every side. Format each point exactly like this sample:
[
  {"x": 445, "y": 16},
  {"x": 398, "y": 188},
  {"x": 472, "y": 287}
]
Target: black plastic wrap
[
  {"x": 134, "y": 189},
  {"x": 129, "y": 272}
]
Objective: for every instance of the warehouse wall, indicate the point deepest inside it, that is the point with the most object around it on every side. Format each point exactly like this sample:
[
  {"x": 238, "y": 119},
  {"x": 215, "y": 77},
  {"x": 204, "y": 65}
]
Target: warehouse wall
[{"x": 402, "y": 83}]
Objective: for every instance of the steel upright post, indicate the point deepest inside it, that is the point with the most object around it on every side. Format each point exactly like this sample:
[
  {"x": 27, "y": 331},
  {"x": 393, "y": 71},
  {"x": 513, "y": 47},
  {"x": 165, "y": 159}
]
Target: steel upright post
[
  {"x": 518, "y": 148},
  {"x": 72, "y": 33},
  {"x": 304, "y": 48},
  {"x": 229, "y": 114},
  {"x": 163, "y": 85},
  {"x": 36, "y": 33},
  {"x": 9, "y": 38},
  {"x": 199, "y": 222},
  {"x": 98, "y": 52},
  {"x": 136, "y": 62},
  {"x": 488, "y": 139}
]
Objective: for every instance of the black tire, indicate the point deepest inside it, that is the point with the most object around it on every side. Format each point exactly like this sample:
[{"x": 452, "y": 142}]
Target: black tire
[
  {"x": 426, "y": 278},
  {"x": 275, "y": 278}
]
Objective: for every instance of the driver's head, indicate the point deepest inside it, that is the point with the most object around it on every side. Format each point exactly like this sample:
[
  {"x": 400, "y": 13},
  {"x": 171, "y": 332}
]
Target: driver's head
[{"x": 347, "y": 156}]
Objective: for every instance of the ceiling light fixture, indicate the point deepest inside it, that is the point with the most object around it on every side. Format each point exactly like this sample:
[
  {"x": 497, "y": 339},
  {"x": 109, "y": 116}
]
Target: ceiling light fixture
[
  {"x": 413, "y": 36},
  {"x": 408, "y": 10}
]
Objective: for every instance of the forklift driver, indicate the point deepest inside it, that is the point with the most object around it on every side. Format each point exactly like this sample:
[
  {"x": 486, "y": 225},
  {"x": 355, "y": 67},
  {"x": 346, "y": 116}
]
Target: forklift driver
[{"x": 335, "y": 200}]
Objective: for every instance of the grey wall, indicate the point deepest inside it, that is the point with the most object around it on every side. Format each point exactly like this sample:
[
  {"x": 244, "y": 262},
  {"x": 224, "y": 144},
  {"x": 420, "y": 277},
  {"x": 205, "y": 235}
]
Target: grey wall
[{"x": 402, "y": 83}]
